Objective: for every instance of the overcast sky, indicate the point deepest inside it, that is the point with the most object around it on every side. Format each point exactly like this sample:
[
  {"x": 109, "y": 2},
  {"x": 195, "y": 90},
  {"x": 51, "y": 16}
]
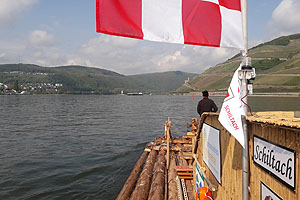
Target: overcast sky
[{"x": 63, "y": 32}]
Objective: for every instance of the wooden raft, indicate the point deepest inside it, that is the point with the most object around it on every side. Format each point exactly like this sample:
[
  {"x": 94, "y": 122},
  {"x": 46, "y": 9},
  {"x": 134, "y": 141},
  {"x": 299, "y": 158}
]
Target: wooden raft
[{"x": 163, "y": 161}]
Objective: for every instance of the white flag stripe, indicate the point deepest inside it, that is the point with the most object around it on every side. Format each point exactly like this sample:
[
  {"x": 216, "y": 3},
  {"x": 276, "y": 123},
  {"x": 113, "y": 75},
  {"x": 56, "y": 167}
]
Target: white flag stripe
[
  {"x": 213, "y": 1},
  {"x": 232, "y": 33},
  {"x": 162, "y": 23}
]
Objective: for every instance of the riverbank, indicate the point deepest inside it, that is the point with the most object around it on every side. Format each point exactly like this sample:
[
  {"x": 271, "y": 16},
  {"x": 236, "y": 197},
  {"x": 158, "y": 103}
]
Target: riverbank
[{"x": 269, "y": 94}]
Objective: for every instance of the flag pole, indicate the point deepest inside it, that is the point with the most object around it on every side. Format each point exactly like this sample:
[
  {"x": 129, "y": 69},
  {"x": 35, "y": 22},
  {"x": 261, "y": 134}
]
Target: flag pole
[
  {"x": 245, "y": 158},
  {"x": 245, "y": 26},
  {"x": 244, "y": 91}
]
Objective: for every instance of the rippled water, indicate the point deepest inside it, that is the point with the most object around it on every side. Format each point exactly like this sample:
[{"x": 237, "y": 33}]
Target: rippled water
[{"x": 84, "y": 147}]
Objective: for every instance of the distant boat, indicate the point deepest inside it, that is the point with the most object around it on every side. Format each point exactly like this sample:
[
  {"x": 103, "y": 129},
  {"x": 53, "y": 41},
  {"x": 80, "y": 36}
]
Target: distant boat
[{"x": 135, "y": 94}]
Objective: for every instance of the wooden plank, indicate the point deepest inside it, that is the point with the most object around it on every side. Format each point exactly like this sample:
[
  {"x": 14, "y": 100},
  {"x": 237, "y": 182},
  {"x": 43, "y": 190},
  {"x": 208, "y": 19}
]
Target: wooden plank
[
  {"x": 183, "y": 168},
  {"x": 184, "y": 174}
]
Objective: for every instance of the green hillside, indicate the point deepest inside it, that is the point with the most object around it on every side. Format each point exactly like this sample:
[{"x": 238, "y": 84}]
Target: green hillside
[
  {"x": 80, "y": 79},
  {"x": 277, "y": 65},
  {"x": 166, "y": 81}
]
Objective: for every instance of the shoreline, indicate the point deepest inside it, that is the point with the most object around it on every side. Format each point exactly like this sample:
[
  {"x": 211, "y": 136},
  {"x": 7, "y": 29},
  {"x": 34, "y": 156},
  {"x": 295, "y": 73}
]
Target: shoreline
[
  {"x": 269, "y": 94},
  {"x": 195, "y": 94}
]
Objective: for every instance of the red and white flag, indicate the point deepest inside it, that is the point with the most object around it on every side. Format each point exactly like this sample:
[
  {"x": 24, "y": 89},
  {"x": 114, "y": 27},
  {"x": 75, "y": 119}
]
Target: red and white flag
[
  {"x": 233, "y": 109},
  {"x": 216, "y": 23}
]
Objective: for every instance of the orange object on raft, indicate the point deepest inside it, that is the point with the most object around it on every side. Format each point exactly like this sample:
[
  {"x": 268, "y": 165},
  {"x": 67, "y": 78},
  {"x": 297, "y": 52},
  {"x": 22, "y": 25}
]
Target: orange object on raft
[{"x": 203, "y": 193}]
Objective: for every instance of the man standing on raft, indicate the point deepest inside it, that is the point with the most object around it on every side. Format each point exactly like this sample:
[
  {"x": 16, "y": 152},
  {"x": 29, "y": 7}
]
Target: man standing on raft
[{"x": 206, "y": 104}]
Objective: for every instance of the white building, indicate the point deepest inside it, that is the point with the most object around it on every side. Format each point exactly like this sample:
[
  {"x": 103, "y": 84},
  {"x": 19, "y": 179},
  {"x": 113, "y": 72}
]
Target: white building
[{"x": 2, "y": 85}]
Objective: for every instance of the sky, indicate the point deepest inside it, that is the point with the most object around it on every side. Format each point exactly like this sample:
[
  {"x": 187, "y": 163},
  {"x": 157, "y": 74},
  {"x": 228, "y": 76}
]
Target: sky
[{"x": 63, "y": 32}]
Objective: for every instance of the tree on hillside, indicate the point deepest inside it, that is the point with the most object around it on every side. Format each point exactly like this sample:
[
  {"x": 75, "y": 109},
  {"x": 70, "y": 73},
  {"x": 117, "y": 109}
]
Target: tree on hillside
[{"x": 16, "y": 85}]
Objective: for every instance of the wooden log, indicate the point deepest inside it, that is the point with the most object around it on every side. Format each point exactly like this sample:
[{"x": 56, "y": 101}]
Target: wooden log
[
  {"x": 186, "y": 157},
  {"x": 168, "y": 146},
  {"x": 187, "y": 149},
  {"x": 129, "y": 184},
  {"x": 173, "y": 148},
  {"x": 157, "y": 190},
  {"x": 142, "y": 186},
  {"x": 182, "y": 141},
  {"x": 187, "y": 154},
  {"x": 166, "y": 184},
  {"x": 195, "y": 125},
  {"x": 172, "y": 184},
  {"x": 188, "y": 136}
]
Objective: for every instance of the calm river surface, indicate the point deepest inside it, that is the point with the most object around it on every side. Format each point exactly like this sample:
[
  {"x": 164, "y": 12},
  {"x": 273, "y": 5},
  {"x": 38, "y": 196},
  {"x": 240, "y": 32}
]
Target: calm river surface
[{"x": 84, "y": 147}]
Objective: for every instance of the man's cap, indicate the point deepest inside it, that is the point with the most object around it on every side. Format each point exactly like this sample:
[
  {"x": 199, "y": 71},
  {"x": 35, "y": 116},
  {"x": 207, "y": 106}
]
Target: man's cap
[{"x": 205, "y": 93}]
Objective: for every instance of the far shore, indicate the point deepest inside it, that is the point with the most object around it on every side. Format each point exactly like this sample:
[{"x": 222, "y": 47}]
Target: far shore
[
  {"x": 269, "y": 94},
  {"x": 192, "y": 94}
]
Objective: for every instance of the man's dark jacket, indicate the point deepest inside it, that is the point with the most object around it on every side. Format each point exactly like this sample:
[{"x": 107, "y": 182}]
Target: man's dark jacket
[{"x": 206, "y": 105}]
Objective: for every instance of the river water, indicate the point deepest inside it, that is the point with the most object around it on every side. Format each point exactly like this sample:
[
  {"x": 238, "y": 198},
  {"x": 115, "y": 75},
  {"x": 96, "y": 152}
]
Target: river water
[{"x": 84, "y": 146}]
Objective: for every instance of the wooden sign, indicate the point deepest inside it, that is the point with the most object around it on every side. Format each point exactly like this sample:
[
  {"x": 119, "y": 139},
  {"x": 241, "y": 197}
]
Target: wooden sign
[
  {"x": 277, "y": 160},
  {"x": 211, "y": 150}
]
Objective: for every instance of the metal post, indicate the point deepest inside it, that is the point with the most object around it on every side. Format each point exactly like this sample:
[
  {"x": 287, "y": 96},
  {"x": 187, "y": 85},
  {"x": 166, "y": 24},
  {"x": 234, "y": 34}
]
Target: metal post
[
  {"x": 244, "y": 89},
  {"x": 245, "y": 26},
  {"x": 246, "y": 63},
  {"x": 245, "y": 160}
]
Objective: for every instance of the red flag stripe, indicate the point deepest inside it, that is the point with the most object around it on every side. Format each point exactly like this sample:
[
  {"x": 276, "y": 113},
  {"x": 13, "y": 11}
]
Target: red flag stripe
[
  {"x": 231, "y": 4},
  {"x": 98, "y": 15},
  {"x": 201, "y": 23},
  {"x": 120, "y": 17}
]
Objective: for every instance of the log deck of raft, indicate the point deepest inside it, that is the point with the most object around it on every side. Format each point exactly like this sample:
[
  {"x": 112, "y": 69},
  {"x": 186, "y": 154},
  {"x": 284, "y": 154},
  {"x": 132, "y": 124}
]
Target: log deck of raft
[
  {"x": 154, "y": 174},
  {"x": 167, "y": 167}
]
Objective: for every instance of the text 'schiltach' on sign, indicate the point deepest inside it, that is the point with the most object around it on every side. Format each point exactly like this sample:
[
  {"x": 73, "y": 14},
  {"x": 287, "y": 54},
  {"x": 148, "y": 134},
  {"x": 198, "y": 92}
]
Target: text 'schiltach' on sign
[{"x": 277, "y": 160}]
